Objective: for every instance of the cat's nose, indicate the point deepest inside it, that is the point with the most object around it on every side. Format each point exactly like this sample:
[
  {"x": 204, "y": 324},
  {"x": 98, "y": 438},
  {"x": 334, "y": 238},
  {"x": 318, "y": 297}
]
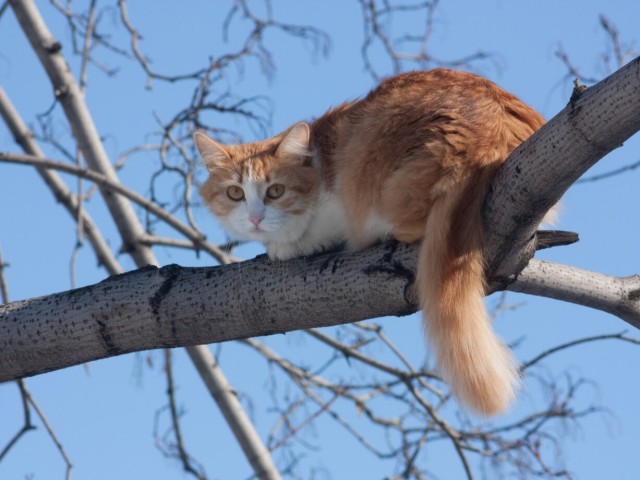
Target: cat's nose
[{"x": 256, "y": 218}]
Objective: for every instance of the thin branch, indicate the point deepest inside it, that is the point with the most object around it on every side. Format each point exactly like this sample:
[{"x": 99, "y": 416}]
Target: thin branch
[
  {"x": 226, "y": 398},
  {"x": 52, "y": 434},
  {"x": 4, "y": 291},
  {"x": 612, "y": 173},
  {"x": 115, "y": 186},
  {"x": 57, "y": 186},
  {"x": 86, "y": 49},
  {"x": 26, "y": 426},
  {"x": 378, "y": 17},
  {"x": 182, "y": 454},
  {"x": 579, "y": 341},
  {"x": 129, "y": 227},
  {"x": 618, "y": 296}
]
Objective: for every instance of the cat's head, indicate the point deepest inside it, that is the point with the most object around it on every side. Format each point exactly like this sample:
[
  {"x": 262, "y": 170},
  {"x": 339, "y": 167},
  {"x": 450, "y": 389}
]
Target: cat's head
[{"x": 262, "y": 191}]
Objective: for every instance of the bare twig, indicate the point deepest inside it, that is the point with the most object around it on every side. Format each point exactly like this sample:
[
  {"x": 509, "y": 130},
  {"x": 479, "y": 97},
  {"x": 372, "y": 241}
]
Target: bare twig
[
  {"x": 196, "y": 237},
  {"x": 612, "y": 173},
  {"x": 121, "y": 210},
  {"x": 52, "y": 434},
  {"x": 26, "y": 426},
  {"x": 614, "y": 56},
  {"x": 379, "y": 15},
  {"x": 4, "y": 292},
  {"x": 178, "y": 449},
  {"x": 579, "y": 341}
]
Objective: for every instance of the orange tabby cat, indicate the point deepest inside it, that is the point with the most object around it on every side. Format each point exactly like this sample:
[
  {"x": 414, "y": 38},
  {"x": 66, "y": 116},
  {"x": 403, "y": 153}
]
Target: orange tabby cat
[{"x": 413, "y": 160}]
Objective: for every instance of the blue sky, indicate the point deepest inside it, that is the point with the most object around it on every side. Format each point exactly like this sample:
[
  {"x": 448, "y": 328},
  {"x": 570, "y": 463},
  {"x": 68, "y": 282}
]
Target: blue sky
[{"x": 104, "y": 413}]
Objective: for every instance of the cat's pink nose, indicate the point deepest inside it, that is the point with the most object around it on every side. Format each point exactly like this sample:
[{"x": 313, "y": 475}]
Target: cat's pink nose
[{"x": 256, "y": 219}]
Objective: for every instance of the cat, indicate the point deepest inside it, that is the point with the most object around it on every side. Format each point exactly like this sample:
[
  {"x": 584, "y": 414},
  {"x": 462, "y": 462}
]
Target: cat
[{"x": 413, "y": 160}]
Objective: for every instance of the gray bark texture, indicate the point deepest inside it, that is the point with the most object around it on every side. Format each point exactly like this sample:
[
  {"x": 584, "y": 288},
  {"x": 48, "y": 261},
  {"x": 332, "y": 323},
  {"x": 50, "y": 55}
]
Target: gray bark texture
[
  {"x": 178, "y": 306},
  {"x": 596, "y": 121}
]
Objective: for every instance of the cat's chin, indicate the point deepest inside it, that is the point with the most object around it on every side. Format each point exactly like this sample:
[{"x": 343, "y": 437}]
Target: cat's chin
[{"x": 268, "y": 238}]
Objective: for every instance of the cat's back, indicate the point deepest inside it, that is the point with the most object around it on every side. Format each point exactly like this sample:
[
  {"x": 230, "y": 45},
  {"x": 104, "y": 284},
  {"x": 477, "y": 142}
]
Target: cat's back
[
  {"x": 460, "y": 95},
  {"x": 461, "y": 111},
  {"x": 418, "y": 133}
]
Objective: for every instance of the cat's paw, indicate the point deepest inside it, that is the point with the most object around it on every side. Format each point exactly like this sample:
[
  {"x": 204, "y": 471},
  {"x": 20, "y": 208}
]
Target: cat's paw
[{"x": 281, "y": 251}]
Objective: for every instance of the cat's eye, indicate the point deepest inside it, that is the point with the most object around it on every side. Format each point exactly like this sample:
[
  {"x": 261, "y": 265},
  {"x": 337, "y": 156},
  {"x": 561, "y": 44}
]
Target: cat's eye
[
  {"x": 235, "y": 193},
  {"x": 275, "y": 191}
]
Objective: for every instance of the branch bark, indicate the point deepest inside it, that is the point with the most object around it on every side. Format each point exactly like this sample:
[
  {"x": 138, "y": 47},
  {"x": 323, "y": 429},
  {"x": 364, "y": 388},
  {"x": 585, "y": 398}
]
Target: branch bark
[
  {"x": 179, "y": 306},
  {"x": 538, "y": 172},
  {"x": 617, "y": 296}
]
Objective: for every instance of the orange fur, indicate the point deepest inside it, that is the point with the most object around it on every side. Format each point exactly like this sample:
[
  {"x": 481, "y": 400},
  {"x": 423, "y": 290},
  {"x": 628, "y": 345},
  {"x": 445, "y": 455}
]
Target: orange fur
[{"x": 413, "y": 160}]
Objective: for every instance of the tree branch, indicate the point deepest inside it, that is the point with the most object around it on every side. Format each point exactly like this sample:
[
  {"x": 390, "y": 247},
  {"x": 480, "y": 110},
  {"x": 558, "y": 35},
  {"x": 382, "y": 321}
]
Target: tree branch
[
  {"x": 61, "y": 192},
  {"x": 69, "y": 95},
  {"x": 111, "y": 185},
  {"x": 178, "y": 306},
  {"x": 617, "y": 296},
  {"x": 538, "y": 172}
]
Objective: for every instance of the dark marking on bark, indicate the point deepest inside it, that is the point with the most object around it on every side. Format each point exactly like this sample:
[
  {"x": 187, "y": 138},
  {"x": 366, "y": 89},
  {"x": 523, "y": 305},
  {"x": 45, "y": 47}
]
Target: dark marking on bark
[
  {"x": 390, "y": 249},
  {"x": 210, "y": 273},
  {"x": 54, "y": 47},
  {"x": 394, "y": 269},
  {"x": 332, "y": 251},
  {"x": 337, "y": 263},
  {"x": 327, "y": 262},
  {"x": 61, "y": 93},
  {"x": 106, "y": 338},
  {"x": 170, "y": 274},
  {"x": 634, "y": 295}
]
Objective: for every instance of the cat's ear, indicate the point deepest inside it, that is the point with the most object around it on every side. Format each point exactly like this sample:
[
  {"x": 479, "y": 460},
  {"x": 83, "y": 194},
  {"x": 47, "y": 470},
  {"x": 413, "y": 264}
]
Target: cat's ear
[
  {"x": 296, "y": 141},
  {"x": 213, "y": 153}
]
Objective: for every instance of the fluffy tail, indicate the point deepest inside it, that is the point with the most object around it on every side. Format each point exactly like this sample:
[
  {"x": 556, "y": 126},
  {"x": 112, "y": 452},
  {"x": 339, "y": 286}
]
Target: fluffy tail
[{"x": 479, "y": 368}]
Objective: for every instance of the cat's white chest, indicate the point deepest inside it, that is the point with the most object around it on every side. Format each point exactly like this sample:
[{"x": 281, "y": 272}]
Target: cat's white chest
[
  {"x": 329, "y": 223},
  {"x": 326, "y": 229}
]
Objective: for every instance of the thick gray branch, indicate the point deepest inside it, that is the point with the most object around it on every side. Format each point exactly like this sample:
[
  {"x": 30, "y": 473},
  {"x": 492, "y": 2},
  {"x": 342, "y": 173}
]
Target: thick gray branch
[
  {"x": 177, "y": 306},
  {"x": 539, "y": 172}
]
